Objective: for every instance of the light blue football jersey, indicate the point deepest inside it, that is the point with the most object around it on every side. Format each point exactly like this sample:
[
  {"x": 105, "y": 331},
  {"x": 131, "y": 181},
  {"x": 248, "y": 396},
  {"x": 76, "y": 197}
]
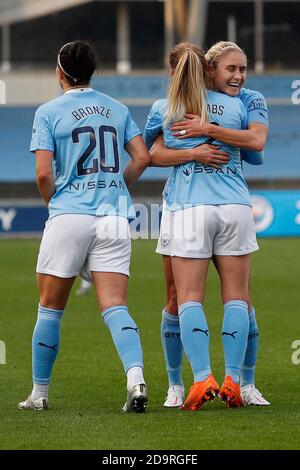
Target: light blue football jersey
[
  {"x": 193, "y": 183},
  {"x": 257, "y": 111},
  {"x": 86, "y": 131}
]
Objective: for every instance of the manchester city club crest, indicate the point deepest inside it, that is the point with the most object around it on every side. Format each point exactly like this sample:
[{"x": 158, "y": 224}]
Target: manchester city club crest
[{"x": 164, "y": 239}]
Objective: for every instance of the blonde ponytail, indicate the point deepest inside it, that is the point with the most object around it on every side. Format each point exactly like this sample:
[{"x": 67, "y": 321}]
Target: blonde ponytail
[{"x": 187, "y": 92}]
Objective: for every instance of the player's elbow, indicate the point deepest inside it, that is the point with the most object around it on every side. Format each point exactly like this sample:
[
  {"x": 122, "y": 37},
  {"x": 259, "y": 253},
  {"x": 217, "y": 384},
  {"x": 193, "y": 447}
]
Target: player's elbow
[
  {"x": 152, "y": 160},
  {"x": 155, "y": 159},
  {"x": 141, "y": 163},
  {"x": 258, "y": 140},
  {"x": 144, "y": 161},
  {"x": 43, "y": 176},
  {"x": 259, "y": 145}
]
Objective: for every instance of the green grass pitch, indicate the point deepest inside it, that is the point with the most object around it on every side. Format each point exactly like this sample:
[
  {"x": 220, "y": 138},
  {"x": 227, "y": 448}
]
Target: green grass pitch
[{"x": 88, "y": 388}]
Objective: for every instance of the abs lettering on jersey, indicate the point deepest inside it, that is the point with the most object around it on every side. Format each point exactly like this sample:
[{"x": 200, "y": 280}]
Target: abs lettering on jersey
[
  {"x": 215, "y": 109},
  {"x": 90, "y": 110},
  {"x": 100, "y": 184}
]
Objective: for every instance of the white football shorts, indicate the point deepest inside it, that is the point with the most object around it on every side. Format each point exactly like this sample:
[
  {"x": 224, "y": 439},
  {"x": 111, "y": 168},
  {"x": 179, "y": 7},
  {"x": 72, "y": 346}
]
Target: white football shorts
[
  {"x": 207, "y": 230},
  {"x": 73, "y": 243}
]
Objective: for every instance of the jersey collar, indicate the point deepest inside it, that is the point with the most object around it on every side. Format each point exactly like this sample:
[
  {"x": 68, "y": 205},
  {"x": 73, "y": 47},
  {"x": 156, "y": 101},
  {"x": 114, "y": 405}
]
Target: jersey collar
[{"x": 79, "y": 90}]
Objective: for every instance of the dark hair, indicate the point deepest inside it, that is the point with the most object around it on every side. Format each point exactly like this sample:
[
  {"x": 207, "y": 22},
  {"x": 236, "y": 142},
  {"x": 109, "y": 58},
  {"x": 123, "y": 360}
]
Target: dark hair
[{"x": 77, "y": 60}]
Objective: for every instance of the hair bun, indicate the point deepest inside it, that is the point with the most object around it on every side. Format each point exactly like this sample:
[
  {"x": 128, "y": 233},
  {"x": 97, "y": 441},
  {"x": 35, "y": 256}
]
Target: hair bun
[{"x": 78, "y": 61}]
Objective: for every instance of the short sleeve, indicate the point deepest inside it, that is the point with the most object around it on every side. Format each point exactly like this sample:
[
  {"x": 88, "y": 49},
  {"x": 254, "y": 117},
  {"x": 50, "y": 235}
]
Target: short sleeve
[
  {"x": 257, "y": 109},
  {"x": 131, "y": 129},
  {"x": 153, "y": 126},
  {"x": 42, "y": 136},
  {"x": 251, "y": 157},
  {"x": 244, "y": 116}
]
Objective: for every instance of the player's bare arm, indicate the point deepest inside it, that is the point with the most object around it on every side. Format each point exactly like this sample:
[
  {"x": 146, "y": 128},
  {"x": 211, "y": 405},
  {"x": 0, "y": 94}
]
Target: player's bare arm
[
  {"x": 139, "y": 159},
  {"x": 206, "y": 154},
  {"x": 44, "y": 174},
  {"x": 253, "y": 138}
]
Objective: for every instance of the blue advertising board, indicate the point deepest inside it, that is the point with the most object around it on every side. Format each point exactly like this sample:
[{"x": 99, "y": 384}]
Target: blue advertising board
[
  {"x": 22, "y": 219},
  {"x": 276, "y": 214}
]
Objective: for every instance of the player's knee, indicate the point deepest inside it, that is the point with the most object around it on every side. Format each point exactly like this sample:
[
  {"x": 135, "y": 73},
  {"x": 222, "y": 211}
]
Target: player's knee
[{"x": 172, "y": 304}]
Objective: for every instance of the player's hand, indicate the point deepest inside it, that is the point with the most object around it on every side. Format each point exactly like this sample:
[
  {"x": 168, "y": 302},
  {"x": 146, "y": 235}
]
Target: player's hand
[
  {"x": 210, "y": 155},
  {"x": 193, "y": 126}
]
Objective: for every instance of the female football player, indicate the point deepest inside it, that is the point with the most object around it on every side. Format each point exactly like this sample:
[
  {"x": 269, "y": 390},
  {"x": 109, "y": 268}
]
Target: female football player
[
  {"x": 83, "y": 134},
  {"x": 204, "y": 189},
  {"x": 226, "y": 75}
]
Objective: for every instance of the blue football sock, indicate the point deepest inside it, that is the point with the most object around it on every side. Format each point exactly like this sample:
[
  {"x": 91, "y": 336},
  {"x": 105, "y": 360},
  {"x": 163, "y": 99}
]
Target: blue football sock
[
  {"x": 195, "y": 338},
  {"x": 234, "y": 336},
  {"x": 45, "y": 343},
  {"x": 125, "y": 335},
  {"x": 172, "y": 346},
  {"x": 248, "y": 369}
]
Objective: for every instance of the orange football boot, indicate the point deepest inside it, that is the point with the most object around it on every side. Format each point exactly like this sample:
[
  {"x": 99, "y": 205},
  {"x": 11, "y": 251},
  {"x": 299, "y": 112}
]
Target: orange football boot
[
  {"x": 200, "y": 393},
  {"x": 230, "y": 393}
]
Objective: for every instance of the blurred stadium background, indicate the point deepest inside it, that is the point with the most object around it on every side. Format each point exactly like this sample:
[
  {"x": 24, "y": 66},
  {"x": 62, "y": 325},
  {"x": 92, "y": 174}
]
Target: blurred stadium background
[{"x": 131, "y": 39}]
